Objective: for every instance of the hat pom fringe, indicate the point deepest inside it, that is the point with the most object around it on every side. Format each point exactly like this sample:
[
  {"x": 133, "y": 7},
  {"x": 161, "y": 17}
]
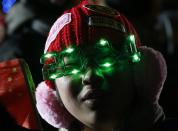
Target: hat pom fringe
[{"x": 49, "y": 108}]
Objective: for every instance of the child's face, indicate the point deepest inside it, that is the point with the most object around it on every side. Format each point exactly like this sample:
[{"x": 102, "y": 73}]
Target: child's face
[{"x": 95, "y": 96}]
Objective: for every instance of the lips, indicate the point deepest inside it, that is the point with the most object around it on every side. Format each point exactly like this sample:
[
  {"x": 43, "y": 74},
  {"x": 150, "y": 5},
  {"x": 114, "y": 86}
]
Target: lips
[{"x": 92, "y": 94}]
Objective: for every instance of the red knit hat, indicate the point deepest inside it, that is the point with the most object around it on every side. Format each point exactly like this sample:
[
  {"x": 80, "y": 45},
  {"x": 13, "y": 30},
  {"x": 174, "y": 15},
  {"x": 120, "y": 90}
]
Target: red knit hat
[{"x": 84, "y": 24}]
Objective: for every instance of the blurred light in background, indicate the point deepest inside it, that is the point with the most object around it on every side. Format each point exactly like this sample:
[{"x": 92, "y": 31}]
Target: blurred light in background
[{"x": 7, "y": 4}]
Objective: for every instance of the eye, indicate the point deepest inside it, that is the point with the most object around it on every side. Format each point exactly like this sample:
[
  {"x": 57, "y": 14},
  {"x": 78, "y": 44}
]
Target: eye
[
  {"x": 106, "y": 62},
  {"x": 71, "y": 64},
  {"x": 72, "y": 69},
  {"x": 55, "y": 72},
  {"x": 71, "y": 60}
]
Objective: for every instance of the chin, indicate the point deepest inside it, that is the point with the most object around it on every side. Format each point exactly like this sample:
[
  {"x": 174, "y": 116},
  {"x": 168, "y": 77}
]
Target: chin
[{"x": 90, "y": 120}]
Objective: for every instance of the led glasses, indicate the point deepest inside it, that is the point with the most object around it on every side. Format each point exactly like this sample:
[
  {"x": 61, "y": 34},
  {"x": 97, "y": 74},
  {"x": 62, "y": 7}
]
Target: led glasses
[{"x": 102, "y": 57}]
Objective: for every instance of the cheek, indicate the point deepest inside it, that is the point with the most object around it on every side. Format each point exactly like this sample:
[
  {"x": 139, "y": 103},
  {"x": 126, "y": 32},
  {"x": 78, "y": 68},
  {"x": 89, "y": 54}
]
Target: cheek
[
  {"x": 68, "y": 90},
  {"x": 122, "y": 87},
  {"x": 69, "y": 96},
  {"x": 64, "y": 87}
]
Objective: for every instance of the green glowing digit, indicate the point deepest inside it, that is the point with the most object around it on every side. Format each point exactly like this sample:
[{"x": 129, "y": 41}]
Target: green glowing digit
[
  {"x": 135, "y": 58},
  {"x": 75, "y": 71},
  {"x": 107, "y": 64},
  {"x": 69, "y": 50},
  {"x": 132, "y": 38},
  {"x": 53, "y": 76},
  {"x": 49, "y": 55},
  {"x": 103, "y": 42}
]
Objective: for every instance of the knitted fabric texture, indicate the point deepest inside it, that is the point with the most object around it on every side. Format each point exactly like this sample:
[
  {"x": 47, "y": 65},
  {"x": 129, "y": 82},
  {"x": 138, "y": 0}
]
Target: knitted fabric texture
[{"x": 78, "y": 32}]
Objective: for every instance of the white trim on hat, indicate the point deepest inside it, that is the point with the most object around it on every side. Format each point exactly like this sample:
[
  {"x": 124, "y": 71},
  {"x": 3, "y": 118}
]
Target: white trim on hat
[{"x": 57, "y": 26}]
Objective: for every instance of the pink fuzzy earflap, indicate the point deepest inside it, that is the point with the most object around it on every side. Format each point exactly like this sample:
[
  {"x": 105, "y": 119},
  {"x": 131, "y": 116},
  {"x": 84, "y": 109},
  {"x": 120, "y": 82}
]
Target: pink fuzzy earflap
[
  {"x": 149, "y": 74},
  {"x": 49, "y": 107}
]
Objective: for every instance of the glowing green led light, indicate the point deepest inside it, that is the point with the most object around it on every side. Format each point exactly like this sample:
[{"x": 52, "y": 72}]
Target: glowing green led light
[
  {"x": 75, "y": 71},
  {"x": 107, "y": 64},
  {"x": 69, "y": 50},
  {"x": 53, "y": 76},
  {"x": 132, "y": 38},
  {"x": 136, "y": 58},
  {"x": 103, "y": 42},
  {"x": 49, "y": 55}
]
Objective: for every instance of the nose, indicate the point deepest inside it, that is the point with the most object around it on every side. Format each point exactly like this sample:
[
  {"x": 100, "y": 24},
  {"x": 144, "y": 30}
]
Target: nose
[{"x": 91, "y": 77}]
